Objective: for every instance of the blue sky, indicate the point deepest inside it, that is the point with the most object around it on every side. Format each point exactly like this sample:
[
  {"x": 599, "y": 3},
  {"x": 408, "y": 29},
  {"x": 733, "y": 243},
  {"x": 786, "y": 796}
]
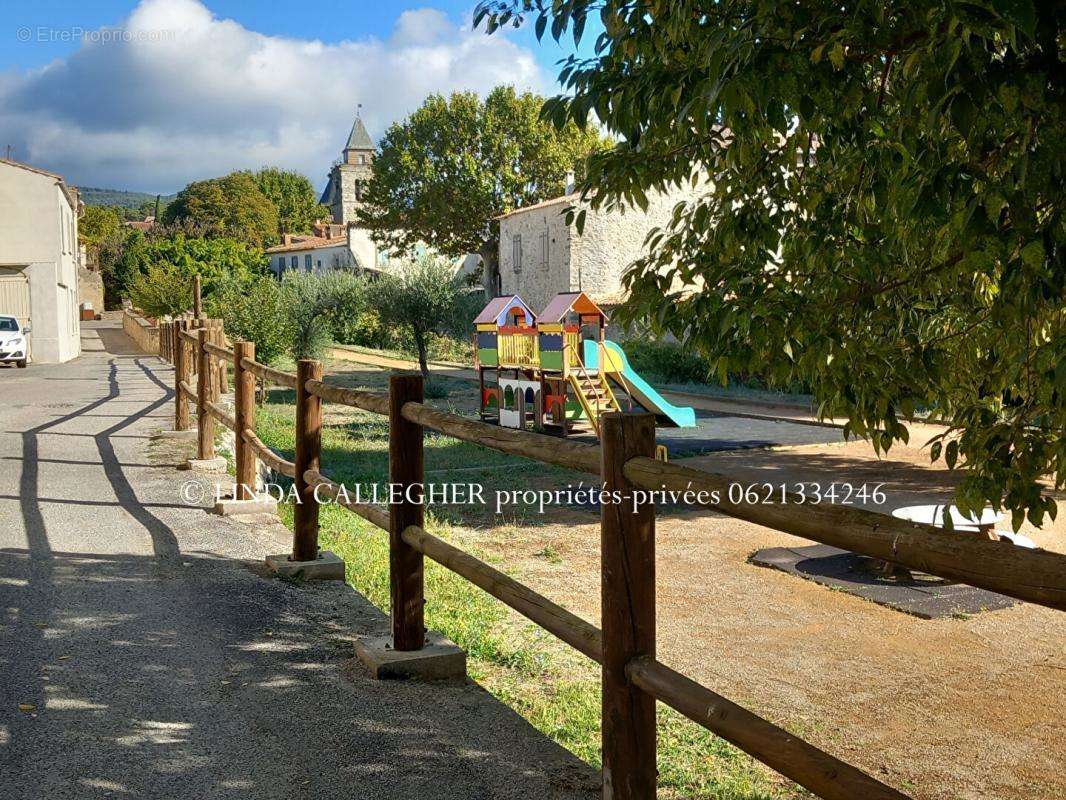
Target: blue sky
[
  {"x": 200, "y": 87},
  {"x": 328, "y": 20}
]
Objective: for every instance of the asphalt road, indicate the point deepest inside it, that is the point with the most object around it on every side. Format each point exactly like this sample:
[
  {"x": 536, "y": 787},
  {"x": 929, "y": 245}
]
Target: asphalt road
[{"x": 144, "y": 653}]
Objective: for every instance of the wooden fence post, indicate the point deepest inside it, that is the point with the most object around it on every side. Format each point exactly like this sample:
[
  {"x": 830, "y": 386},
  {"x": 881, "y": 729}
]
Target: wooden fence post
[
  {"x": 206, "y": 430},
  {"x": 627, "y": 547},
  {"x": 308, "y": 445},
  {"x": 181, "y": 373},
  {"x": 244, "y": 415},
  {"x": 197, "y": 302},
  {"x": 405, "y": 563}
]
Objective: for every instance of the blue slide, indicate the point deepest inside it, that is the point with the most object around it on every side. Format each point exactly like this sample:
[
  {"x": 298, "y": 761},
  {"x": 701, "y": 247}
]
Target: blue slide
[{"x": 616, "y": 366}]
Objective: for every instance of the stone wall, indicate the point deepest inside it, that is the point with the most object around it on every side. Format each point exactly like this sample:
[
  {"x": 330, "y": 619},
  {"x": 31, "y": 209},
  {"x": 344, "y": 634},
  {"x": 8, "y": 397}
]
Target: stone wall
[
  {"x": 593, "y": 261},
  {"x": 90, "y": 288},
  {"x": 542, "y": 275}
]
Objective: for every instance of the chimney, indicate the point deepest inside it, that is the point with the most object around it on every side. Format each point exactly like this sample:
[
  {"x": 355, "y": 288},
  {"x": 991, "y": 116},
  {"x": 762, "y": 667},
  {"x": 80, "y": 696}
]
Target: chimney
[
  {"x": 286, "y": 238},
  {"x": 570, "y": 182}
]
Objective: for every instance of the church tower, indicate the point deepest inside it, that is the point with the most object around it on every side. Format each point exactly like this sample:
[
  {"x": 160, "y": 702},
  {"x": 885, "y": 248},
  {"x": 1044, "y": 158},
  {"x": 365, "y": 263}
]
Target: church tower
[{"x": 349, "y": 175}]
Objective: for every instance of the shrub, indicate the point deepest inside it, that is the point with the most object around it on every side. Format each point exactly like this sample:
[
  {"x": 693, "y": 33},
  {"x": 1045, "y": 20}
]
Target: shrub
[
  {"x": 669, "y": 362},
  {"x": 255, "y": 313},
  {"x": 163, "y": 289}
]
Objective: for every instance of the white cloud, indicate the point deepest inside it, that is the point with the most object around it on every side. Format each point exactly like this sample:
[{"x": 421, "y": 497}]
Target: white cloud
[{"x": 186, "y": 95}]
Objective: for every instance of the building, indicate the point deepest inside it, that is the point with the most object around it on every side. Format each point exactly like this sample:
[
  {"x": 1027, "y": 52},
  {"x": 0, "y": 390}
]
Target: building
[
  {"x": 329, "y": 247},
  {"x": 541, "y": 255},
  {"x": 349, "y": 175},
  {"x": 39, "y": 259}
]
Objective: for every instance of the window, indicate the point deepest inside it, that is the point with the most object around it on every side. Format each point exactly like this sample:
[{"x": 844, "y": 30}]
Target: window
[
  {"x": 294, "y": 262},
  {"x": 544, "y": 250},
  {"x": 307, "y": 262},
  {"x": 319, "y": 264},
  {"x": 281, "y": 264},
  {"x": 516, "y": 252}
]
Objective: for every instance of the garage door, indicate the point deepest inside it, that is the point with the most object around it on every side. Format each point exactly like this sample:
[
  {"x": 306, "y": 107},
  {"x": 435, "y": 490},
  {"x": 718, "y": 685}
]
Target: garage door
[{"x": 15, "y": 294}]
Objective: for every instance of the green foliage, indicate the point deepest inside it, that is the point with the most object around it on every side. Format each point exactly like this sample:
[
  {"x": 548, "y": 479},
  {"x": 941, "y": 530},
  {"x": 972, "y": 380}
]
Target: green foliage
[
  {"x": 445, "y": 172},
  {"x": 312, "y": 301},
  {"x": 885, "y": 213},
  {"x": 254, "y": 311},
  {"x": 163, "y": 289},
  {"x": 666, "y": 361},
  {"x": 232, "y": 206},
  {"x": 97, "y": 224},
  {"x": 293, "y": 196},
  {"x": 426, "y": 297},
  {"x": 221, "y": 264},
  {"x": 120, "y": 200}
]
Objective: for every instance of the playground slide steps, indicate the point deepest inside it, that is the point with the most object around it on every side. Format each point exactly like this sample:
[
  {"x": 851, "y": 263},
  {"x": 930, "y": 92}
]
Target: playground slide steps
[{"x": 595, "y": 396}]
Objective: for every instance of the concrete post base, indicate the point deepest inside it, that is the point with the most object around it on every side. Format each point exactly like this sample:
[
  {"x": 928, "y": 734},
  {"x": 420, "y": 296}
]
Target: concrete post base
[
  {"x": 327, "y": 567},
  {"x": 172, "y": 434},
  {"x": 216, "y": 464},
  {"x": 261, "y": 505},
  {"x": 439, "y": 660}
]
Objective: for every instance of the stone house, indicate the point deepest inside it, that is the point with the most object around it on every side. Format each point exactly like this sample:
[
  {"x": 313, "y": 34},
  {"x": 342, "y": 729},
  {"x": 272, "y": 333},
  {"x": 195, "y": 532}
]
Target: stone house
[
  {"x": 39, "y": 259},
  {"x": 541, "y": 255}
]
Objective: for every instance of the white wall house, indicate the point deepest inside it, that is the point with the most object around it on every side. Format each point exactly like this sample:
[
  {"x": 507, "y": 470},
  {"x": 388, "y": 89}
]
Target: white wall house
[
  {"x": 39, "y": 259},
  {"x": 323, "y": 253},
  {"x": 541, "y": 256}
]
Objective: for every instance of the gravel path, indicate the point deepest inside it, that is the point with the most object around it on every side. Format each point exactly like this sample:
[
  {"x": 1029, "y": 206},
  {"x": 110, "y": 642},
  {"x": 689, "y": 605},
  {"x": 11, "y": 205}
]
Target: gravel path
[{"x": 144, "y": 653}]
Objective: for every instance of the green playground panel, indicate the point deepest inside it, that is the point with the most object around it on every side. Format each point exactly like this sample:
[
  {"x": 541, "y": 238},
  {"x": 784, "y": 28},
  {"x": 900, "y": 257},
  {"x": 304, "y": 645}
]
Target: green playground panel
[
  {"x": 551, "y": 359},
  {"x": 488, "y": 358}
]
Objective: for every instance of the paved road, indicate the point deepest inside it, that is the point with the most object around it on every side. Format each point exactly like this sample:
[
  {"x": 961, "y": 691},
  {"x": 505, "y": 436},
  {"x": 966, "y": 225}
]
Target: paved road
[{"x": 152, "y": 658}]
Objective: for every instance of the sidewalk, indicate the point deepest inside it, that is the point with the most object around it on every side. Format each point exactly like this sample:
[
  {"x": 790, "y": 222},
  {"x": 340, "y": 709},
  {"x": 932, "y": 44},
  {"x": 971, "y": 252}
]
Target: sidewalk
[{"x": 144, "y": 651}]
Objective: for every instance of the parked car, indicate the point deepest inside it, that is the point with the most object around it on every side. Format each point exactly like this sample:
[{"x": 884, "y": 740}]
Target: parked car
[{"x": 14, "y": 345}]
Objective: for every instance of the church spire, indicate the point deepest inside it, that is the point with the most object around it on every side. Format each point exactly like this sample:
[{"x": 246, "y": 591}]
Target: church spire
[{"x": 359, "y": 139}]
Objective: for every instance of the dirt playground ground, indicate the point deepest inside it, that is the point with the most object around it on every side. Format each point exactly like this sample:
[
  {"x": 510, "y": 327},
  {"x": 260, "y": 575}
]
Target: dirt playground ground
[{"x": 971, "y": 707}]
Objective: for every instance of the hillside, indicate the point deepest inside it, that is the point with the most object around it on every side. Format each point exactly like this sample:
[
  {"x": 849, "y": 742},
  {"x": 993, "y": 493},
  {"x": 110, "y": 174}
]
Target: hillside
[{"x": 117, "y": 197}]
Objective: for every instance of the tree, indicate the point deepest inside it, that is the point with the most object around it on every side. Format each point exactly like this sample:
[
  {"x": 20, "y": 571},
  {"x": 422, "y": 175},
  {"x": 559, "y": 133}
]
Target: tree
[
  {"x": 221, "y": 263},
  {"x": 97, "y": 224},
  {"x": 444, "y": 173},
  {"x": 161, "y": 290},
  {"x": 294, "y": 197},
  {"x": 254, "y": 312},
  {"x": 885, "y": 220},
  {"x": 310, "y": 300},
  {"x": 231, "y": 206},
  {"x": 428, "y": 298}
]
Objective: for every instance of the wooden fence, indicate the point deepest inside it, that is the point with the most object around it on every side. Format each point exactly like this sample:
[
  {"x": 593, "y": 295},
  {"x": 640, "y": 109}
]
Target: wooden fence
[{"x": 624, "y": 644}]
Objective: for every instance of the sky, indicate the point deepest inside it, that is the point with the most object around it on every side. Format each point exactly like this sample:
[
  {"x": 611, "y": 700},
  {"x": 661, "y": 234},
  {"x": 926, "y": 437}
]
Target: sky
[{"x": 150, "y": 95}]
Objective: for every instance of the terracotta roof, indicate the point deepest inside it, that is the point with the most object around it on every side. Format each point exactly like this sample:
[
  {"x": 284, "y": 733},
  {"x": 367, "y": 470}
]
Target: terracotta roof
[
  {"x": 308, "y": 243},
  {"x": 566, "y": 198},
  {"x": 559, "y": 305}
]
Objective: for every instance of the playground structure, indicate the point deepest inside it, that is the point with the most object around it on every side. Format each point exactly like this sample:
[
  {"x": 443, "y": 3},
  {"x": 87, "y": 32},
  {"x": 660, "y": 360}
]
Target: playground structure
[{"x": 554, "y": 370}]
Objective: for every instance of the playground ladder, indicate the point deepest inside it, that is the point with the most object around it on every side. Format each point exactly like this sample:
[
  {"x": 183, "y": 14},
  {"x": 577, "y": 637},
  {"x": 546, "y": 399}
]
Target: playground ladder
[{"x": 594, "y": 394}]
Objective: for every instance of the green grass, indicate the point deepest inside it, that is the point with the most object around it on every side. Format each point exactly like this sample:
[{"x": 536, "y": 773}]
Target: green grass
[{"x": 549, "y": 684}]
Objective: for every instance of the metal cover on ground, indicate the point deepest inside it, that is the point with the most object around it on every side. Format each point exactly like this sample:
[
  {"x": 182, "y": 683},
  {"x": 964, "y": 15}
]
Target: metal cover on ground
[{"x": 925, "y": 596}]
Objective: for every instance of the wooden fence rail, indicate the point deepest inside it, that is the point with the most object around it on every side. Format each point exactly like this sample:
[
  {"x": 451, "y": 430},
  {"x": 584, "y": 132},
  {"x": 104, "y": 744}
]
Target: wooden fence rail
[{"x": 624, "y": 645}]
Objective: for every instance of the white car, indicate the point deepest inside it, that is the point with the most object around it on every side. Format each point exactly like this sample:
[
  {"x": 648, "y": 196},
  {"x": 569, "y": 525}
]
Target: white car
[{"x": 14, "y": 346}]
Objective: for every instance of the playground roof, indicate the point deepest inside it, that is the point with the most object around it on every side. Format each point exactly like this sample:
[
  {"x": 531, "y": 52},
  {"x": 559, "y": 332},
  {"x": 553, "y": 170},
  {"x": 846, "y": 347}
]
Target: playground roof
[
  {"x": 497, "y": 308},
  {"x": 561, "y": 304}
]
